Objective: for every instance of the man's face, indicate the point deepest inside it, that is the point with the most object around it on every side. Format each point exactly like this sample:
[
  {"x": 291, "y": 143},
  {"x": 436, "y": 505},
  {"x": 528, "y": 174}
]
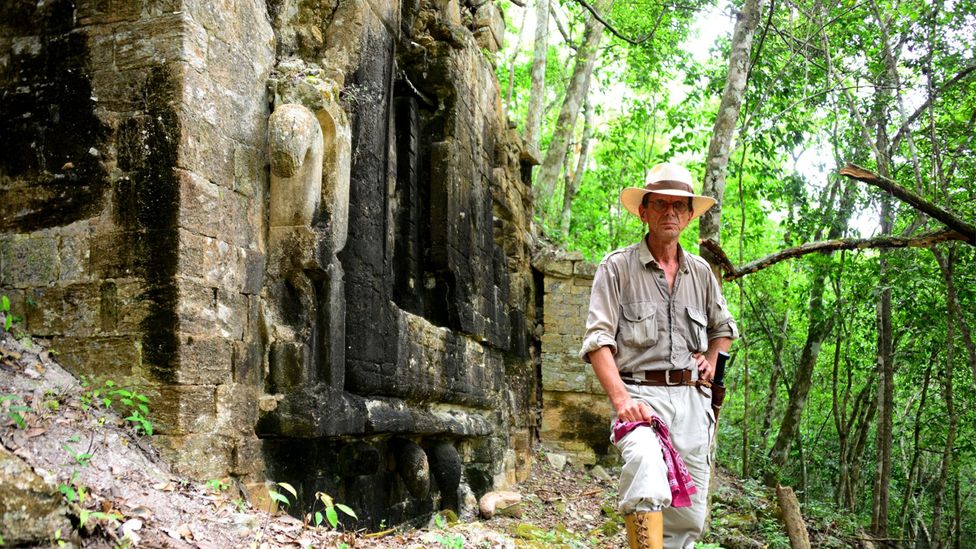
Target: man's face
[{"x": 666, "y": 216}]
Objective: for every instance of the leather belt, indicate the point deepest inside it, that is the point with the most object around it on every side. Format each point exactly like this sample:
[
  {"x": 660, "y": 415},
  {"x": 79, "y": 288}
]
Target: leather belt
[{"x": 663, "y": 378}]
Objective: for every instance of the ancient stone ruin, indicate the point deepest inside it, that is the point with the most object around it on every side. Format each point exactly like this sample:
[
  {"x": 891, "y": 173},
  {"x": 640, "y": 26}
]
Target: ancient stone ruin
[{"x": 302, "y": 227}]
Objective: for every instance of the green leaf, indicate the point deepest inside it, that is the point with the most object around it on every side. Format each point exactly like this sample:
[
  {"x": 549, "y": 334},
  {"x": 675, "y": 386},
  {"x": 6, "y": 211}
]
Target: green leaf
[
  {"x": 275, "y": 496},
  {"x": 318, "y": 518},
  {"x": 345, "y": 509},
  {"x": 333, "y": 517},
  {"x": 290, "y": 488},
  {"x": 4, "y": 303}
]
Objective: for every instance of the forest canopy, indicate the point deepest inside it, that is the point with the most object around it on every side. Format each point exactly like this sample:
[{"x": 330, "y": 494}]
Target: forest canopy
[{"x": 839, "y": 135}]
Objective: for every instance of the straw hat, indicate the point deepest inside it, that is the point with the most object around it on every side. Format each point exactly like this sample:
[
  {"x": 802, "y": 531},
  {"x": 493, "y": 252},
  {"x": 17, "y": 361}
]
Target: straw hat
[{"x": 670, "y": 179}]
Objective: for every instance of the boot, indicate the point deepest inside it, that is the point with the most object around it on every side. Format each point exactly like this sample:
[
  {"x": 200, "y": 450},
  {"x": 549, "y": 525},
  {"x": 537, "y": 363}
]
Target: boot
[{"x": 645, "y": 530}]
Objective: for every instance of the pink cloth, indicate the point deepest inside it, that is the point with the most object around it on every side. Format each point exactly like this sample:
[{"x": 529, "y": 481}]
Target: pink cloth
[{"x": 679, "y": 479}]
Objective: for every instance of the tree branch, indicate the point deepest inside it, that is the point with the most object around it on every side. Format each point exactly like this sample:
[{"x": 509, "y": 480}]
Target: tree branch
[
  {"x": 966, "y": 230},
  {"x": 920, "y": 241},
  {"x": 613, "y": 30}
]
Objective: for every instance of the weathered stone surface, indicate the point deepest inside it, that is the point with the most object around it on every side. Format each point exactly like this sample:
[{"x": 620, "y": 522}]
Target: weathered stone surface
[
  {"x": 501, "y": 503},
  {"x": 30, "y": 509},
  {"x": 413, "y": 468},
  {"x": 295, "y": 150},
  {"x": 114, "y": 356}
]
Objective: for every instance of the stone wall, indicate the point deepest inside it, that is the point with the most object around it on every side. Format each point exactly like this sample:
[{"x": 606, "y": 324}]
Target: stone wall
[
  {"x": 576, "y": 412},
  {"x": 341, "y": 297},
  {"x": 132, "y": 202}
]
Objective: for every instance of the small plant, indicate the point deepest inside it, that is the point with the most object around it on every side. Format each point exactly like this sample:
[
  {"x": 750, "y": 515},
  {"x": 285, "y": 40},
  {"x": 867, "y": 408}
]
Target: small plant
[
  {"x": 216, "y": 485},
  {"x": 136, "y": 403},
  {"x": 446, "y": 539},
  {"x": 8, "y": 319},
  {"x": 81, "y": 458},
  {"x": 331, "y": 509},
  {"x": 16, "y": 411},
  {"x": 281, "y": 498}
]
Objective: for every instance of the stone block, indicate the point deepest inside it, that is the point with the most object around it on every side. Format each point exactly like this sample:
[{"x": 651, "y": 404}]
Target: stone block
[
  {"x": 211, "y": 262},
  {"x": 584, "y": 269},
  {"x": 29, "y": 261},
  {"x": 247, "y": 457},
  {"x": 204, "y": 361},
  {"x": 129, "y": 309},
  {"x": 199, "y": 204},
  {"x": 250, "y": 174},
  {"x": 237, "y": 409},
  {"x": 103, "y": 356},
  {"x": 196, "y": 308},
  {"x": 205, "y": 150},
  {"x": 248, "y": 363},
  {"x": 149, "y": 43},
  {"x": 74, "y": 253},
  {"x": 287, "y": 366},
  {"x": 236, "y": 221},
  {"x": 183, "y": 409},
  {"x": 70, "y": 310},
  {"x": 198, "y": 456}
]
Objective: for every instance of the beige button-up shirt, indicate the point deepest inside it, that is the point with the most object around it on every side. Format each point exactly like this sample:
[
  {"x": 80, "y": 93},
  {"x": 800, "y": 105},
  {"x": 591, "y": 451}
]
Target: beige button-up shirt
[{"x": 646, "y": 325}]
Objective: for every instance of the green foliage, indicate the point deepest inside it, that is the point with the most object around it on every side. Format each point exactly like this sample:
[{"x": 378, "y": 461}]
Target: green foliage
[
  {"x": 330, "y": 509},
  {"x": 446, "y": 538},
  {"x": 15, "y": 411},
  {"x": 132, "y": 401}
]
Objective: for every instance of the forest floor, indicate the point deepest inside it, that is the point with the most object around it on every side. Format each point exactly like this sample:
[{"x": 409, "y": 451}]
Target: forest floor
[{"x": 105, "y": 486}]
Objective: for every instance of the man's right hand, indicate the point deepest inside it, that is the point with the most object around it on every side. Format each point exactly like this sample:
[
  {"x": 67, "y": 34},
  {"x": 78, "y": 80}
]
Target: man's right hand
[{"x": 633, "y": 410}]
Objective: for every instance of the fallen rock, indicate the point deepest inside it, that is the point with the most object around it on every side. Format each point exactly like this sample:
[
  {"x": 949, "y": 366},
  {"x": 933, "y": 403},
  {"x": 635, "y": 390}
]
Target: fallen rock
[
  {"x": 556, "y": 461},
  {"x": 31, "y": 510},
  {"x": 600, "y": 473},
  {"x": 501, "y": 503}
]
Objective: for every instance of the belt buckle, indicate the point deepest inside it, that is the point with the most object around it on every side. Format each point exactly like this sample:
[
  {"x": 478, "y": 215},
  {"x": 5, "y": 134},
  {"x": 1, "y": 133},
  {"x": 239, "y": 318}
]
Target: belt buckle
[{"x": 667, "y": 378}]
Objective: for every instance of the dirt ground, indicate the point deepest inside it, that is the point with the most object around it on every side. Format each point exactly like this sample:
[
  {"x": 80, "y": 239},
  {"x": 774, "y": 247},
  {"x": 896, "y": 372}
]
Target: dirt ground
[{"x": 112, "y": 480}]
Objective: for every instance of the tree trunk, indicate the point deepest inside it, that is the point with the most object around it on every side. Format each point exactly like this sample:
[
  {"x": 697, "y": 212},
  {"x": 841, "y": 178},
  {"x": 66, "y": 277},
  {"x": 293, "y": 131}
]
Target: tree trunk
[
  {"x": 720, "y": 146},
  {"x": 579, "y": 84},
  {"x": 569, "y": 192},
  {"x": 913, "y": 468},
  {"x": 820, "y": 325},
  {"x": 796, "y": 528},
  {"x": 886, "y": 387},
  {"x": 938, "y": 537},
  {"x": 537, "y": 93}
]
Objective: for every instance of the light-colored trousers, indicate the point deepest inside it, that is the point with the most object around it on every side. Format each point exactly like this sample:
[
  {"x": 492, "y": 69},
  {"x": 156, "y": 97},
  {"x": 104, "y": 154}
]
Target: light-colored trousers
[{"x": 644, "y": 481}]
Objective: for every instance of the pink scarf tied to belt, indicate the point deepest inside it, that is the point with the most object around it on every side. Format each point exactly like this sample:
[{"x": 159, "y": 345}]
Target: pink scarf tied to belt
[{"x": 679, "y": 479}]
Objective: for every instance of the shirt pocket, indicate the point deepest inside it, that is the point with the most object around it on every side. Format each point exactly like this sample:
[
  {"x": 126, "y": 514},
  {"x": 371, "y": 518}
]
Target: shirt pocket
[
  {"x": 697, "y": 335},
  {"x": 638, "y": 324}
]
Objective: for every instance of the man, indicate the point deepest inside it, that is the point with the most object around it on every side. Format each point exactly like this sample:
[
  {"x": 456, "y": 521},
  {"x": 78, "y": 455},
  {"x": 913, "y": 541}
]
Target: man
[{"x": 656, "y": 324}]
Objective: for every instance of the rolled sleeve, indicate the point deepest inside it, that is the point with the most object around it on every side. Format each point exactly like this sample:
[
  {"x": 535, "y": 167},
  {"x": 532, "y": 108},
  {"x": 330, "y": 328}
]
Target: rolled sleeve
[
  {"x": 601, "y": 322},
  {"x": 720, "y": 321}
]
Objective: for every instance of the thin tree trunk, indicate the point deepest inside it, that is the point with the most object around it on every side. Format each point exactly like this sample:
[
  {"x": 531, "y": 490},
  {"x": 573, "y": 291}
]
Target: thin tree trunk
[
  {"x": 537, "y": 90},
  {"x": 913, "y": 468},
  {"x": 820, "y": 325},
  {"x": 720, "y": 146},
  {"x": 946, "y": 265},
  {"x": 886, "y": 387},
  {"x": 569, "y": 192},
  {"x": 579, "y": 84},
  {"x": 511, "y": 61}
]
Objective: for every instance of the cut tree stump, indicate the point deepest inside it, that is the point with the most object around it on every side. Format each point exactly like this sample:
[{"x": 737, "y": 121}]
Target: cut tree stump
[{"x": 796, "y": 529}]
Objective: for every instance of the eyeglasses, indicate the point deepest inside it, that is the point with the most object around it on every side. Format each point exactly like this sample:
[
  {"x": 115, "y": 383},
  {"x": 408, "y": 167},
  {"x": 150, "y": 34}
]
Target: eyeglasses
[{"x": 661, "y": 206}]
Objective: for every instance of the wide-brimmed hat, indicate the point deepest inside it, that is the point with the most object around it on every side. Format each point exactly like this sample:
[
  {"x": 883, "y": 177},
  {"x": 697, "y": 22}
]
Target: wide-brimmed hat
[{"x": 670, "y": 179}]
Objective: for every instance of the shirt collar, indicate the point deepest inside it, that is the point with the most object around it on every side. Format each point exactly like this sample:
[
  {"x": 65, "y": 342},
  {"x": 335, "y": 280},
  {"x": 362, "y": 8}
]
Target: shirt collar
[{"x": 645, "y": 257}]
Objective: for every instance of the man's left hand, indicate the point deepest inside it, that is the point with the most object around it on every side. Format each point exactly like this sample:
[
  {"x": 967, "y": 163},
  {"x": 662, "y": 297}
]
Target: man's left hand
[{"x": 705, "y": 368}]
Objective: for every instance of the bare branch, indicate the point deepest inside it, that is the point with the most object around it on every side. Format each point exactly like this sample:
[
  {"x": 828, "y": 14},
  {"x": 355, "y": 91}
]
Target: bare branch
[
  {"x": 966, "y": 230},
  {"x": 920, "y": 241},
  {"x": 966, "y": 71},
  {"x": 613, "y": 30}
]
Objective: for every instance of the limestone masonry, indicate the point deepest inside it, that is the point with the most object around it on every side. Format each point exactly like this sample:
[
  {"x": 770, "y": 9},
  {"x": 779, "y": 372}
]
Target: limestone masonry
[{"x": 303, "y": 227}]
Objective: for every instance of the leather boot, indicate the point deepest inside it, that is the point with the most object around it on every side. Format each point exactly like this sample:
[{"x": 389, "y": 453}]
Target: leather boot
[{"x": 645, "y": 530}]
